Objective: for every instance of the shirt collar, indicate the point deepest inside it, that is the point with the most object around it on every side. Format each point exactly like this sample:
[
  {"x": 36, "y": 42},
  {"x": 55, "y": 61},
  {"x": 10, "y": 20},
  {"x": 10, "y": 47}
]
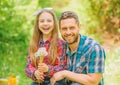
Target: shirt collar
[
  {"x": 68, "y": 52},
  {"x": 41, "y": 42}
]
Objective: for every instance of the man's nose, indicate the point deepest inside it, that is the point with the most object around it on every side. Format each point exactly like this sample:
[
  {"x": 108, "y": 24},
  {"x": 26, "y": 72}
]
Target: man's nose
[{"x": 68, "y": 31}]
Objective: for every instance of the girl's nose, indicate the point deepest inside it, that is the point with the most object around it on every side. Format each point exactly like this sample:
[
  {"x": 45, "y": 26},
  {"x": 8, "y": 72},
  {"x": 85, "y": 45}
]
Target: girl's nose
[{"x": 45, "y": 23}]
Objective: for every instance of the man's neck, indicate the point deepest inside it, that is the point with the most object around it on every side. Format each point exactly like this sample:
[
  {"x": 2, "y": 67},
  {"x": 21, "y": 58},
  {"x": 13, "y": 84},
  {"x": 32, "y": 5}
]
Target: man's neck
[{"x": 73, "y": 47}]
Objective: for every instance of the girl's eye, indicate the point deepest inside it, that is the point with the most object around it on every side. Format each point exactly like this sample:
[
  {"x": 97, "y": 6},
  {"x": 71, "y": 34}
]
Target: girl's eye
[
  {"x": 49, "y": 20},
  {"x": 41, "y": 20}
]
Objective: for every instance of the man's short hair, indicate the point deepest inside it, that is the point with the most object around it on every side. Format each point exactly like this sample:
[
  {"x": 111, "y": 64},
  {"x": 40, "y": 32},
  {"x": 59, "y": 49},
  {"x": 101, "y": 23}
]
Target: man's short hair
[{"x": 68, "y": 14}]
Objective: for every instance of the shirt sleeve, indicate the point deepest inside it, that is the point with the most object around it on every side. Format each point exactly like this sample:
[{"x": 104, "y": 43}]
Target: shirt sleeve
[
  {"x": 55, "y": 68},
  {"x": 59, "y": 65},
  {"x": 97, "y": 60},
  {"x": 30, "y": 69}
]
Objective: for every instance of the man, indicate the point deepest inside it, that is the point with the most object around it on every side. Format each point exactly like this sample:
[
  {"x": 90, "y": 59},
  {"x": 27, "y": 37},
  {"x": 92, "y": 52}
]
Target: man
[{"x": 85, "y": 57}]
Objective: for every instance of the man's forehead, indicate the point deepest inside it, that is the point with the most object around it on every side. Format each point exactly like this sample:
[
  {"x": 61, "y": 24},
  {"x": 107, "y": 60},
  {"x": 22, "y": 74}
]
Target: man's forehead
[{"x": 68, "y": 20}]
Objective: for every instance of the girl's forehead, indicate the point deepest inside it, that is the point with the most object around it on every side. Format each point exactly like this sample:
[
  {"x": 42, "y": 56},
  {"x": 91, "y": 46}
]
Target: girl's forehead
[{"x": 45, "y": 15}]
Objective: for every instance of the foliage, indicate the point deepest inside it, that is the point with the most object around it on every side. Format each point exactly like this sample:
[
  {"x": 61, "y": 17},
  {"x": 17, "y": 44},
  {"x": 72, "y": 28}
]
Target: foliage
[
  {"x": 53, "y": 3},
  {"x": 107, "y": 15},
  {"x": 112, "y": 68},
  {"x": 13, "y": 40}
]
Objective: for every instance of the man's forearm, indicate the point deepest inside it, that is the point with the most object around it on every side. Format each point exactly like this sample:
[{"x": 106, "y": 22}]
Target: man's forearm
[{"x": 86, "y": 79}]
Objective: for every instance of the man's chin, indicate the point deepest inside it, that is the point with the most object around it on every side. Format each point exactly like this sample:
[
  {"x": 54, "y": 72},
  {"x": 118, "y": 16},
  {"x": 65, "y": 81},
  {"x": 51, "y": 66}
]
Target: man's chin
[{"x": 70, "y": 43}]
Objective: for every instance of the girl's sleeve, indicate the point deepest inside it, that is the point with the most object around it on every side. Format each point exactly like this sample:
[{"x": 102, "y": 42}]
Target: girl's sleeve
[{"x": 30, "y": 69}]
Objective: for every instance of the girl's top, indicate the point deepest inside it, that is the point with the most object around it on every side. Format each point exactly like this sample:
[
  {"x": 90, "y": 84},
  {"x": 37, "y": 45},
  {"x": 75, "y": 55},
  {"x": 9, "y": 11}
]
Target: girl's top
[{"x": 59, "y": 64}]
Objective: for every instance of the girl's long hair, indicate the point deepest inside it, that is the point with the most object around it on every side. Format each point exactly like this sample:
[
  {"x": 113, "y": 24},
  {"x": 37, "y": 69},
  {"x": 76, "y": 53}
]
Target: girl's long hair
[{"x": 37, "y": 35}]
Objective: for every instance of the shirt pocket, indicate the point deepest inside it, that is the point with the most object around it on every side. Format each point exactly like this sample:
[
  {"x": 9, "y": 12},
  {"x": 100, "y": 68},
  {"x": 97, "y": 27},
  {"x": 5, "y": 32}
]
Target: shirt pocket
[{"x": 81, "y": 67}]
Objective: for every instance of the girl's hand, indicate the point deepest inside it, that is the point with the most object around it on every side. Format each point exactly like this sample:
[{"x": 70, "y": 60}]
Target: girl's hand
[
  {"x": 42, "y": 67},
  {"x": 39, "y": 76}
]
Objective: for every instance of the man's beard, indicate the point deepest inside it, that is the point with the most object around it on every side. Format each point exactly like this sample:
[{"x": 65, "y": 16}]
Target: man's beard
[{"x": 76, "y": 39}]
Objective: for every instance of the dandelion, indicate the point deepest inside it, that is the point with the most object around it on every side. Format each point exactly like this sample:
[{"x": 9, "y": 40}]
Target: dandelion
[{"x": 41, "y": 53}]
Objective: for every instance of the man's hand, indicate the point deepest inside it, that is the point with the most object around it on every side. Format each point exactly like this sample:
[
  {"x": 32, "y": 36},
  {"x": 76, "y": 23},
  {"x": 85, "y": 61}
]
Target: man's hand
[
  {"x": 42, "y": 67},
  {"x": 39, "y": 76},
  {"x": 57, "y": 77}
]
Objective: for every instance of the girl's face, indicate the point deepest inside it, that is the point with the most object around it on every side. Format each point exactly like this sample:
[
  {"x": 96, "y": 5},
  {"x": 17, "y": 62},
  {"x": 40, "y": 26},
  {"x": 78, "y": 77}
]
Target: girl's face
[{"x": 46, "y": 23}]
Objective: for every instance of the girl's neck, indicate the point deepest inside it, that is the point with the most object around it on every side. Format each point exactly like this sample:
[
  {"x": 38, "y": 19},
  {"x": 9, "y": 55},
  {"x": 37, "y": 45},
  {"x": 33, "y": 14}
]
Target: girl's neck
[{"x": 46, "y": 37}]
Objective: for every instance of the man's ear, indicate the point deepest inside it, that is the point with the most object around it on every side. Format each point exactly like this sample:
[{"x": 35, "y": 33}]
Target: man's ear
[{"x": 79, "y": 25}]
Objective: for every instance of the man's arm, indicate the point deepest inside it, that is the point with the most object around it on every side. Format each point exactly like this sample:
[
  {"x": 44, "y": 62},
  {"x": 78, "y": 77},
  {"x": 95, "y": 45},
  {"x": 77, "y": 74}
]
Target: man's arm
[{"x": 86, "y": 79}]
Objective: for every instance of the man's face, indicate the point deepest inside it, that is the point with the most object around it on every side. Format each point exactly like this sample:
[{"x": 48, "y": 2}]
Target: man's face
[{"x": 69, "y": 29}]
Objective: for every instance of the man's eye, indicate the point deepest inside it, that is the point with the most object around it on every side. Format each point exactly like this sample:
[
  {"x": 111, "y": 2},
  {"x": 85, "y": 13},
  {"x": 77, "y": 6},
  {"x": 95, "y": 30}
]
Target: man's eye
[
  {"x": 64, "y": 28},
  {"x": 71, "y": 28}
]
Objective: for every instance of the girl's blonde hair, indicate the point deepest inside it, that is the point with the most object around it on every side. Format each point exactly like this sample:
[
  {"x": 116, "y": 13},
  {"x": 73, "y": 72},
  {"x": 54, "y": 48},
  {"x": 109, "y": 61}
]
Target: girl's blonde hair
[{"x": 37, "y": 35}]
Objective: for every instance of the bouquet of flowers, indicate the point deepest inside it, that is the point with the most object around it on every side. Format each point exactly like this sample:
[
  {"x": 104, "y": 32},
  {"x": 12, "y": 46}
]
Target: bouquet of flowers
[{"x": 41, "y": 53}]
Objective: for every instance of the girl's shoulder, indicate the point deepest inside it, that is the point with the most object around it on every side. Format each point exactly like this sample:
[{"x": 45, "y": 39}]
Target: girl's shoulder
[
  {"x": 61, "y": 44},
  {"x": 60, "y": 41}
]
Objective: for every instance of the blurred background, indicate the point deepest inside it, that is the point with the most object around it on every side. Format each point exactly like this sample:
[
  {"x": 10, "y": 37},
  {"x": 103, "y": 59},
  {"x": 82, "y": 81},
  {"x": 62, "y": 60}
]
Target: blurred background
[{"x": 100, "y": 19}]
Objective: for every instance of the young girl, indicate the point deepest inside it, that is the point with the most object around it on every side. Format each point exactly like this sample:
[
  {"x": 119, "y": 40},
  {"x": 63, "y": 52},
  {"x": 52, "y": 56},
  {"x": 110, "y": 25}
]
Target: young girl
[{"x": 45, "y": 35}]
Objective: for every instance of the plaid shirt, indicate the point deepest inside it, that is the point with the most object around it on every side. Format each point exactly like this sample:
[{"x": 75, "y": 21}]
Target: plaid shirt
[
  {"x": 88, "y": 58},
  {"x": 59, "y": 65}
]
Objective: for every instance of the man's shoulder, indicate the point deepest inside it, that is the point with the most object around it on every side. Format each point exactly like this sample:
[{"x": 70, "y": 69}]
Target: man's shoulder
[
  {"x": 84, "y": 37},
  {"x": 88, "y": 40},
  {"x": 88, "y": 43}
]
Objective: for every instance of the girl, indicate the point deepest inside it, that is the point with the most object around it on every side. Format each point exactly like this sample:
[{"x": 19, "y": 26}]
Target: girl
[{"x": 45, "y": 35}]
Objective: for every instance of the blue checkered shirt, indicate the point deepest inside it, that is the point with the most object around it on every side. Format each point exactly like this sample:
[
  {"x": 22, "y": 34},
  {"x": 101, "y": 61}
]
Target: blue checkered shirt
[{"x": 88, "y": 58}]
